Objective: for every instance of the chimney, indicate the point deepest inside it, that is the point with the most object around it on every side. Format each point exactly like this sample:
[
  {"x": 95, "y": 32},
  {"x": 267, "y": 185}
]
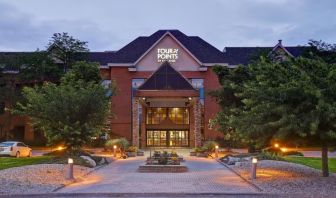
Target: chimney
[
  {"x": 280, "y": 42},
  {"x": 224, "y": 50}
]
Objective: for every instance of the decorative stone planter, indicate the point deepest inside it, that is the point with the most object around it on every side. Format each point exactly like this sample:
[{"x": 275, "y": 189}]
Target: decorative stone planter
[
  {"x": 162, "y": 169},
  {"x": 205, "y": 154},
  {"x": 193, "y": 153},
  {"x": 131, "y": 154},
  {"x": 140, "y": 153}
]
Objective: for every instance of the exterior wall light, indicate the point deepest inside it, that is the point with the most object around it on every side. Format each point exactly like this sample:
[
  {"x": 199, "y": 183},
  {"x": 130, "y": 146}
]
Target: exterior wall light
[
  {"x": 276, "y": 145},
  {"x": 69, "y": 174},
  {"x": 60, "y": 148},
  {"x": 254, "y": 168}
]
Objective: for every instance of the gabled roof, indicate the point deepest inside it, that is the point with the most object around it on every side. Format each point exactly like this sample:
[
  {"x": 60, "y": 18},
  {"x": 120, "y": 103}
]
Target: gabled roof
[
  {"x": 244, "y": 55},
  {"x": 202, "y": 50},
  {"x": 166, "y": 78}
]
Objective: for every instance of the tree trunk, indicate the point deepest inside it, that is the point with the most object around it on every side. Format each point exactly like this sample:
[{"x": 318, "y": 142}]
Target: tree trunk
[{"x": 325, "y": 169}]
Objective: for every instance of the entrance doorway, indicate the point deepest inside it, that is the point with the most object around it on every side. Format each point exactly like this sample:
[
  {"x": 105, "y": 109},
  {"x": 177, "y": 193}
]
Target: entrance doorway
[{"x": 167, "y": 138}]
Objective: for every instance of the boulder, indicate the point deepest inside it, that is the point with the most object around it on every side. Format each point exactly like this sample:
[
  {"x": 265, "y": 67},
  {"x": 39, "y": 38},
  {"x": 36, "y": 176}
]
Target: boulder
[
  {"x": 89, "y": 160},
  {"x": 233, "y": 160}
]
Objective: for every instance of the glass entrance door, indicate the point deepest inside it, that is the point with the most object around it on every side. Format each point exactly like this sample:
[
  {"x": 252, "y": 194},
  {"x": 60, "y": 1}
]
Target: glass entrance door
[
  {"x": 167, "y": 138},
  {"x": 179, "y": 138}
]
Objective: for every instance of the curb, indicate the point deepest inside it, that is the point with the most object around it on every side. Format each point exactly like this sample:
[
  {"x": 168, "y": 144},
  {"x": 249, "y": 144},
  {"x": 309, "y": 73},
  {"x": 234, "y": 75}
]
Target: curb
[{"x": 243, "y": 178}]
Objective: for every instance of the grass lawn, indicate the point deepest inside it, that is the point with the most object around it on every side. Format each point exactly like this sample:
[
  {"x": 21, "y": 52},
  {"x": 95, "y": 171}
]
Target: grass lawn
[
  {"x": 313, "y": 162},
  {"x": 10, "y": 162}
]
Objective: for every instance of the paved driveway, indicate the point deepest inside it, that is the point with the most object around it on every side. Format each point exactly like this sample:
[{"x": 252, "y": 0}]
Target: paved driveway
[{"x": 121, "y": 176}]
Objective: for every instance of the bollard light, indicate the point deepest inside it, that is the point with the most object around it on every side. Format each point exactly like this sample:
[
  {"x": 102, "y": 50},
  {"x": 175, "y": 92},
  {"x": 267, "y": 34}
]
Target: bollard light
[
  {"x": 216, "y": 151},
  {"x": 283, "y": 149},
  {"x": 70, "y": 169},
  {"x": 254, "y": 168},
  {"x": 115, "y": 151}
]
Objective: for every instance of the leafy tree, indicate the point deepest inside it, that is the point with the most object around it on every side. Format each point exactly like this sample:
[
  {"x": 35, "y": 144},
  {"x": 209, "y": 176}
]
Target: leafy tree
[
  {"x": 67, "y": 49},
  {"x": 71, "y": 112},
  {"x": 32, "y": 68},
  {"x": 292, "y": 98}
]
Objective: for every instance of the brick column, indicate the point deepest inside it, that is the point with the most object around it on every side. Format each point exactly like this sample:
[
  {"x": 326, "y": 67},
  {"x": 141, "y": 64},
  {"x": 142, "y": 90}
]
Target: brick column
[
  {"x": 197, "y": 123},
  {"x": 135, "y": 122}
]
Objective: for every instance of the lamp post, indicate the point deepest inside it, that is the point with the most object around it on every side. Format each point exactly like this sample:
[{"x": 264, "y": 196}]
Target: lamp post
[
  {"x": 114, "y": 151},
  {"x": 216, "y": 151},
  {"x": 254, "y": 168},
  {"x": 70, "y": 169}
]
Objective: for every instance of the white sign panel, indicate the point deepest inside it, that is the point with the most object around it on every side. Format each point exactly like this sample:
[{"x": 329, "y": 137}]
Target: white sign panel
[{"x": 167, "y": 54}]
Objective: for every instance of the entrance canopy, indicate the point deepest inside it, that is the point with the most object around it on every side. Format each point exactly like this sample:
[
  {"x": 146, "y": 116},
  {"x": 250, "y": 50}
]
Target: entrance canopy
[{"x": 166, "y": 82}]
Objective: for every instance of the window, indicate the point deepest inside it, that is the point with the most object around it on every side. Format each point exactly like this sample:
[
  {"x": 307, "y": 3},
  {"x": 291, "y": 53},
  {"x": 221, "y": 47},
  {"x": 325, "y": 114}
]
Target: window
[
  {"x": 137, "y": 82},
  {"x": 156, "y": 138},
  {"x": 198, "y": 84},
  {"x": 156, "y": 115},
  {"x": 179, "y": 115}
]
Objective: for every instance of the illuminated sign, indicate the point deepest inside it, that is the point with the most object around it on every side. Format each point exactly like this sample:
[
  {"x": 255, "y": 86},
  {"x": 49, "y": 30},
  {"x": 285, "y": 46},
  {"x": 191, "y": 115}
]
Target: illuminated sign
[{"x": 167, "y": 54}]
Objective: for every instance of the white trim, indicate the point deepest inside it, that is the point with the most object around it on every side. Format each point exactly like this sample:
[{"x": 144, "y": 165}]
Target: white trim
[
  {"x": 202, "y": 69},
  {"x": 104, "y": 67},
  {"x": 282, "y": 47},
  {"x": 132, "y": 69},
  {"x": 178, "y": 42},
  {"x": 119, "y": 64},
  {"x": 212, "y": 64}
]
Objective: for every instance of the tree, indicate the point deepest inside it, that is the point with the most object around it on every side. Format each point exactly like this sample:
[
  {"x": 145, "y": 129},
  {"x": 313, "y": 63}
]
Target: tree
[
  {"x": 71, "y": 112},
  {"x": 282, "y": 100},
  {"x": 18, "y": 69},
  {"x": 66, "y": 49}
]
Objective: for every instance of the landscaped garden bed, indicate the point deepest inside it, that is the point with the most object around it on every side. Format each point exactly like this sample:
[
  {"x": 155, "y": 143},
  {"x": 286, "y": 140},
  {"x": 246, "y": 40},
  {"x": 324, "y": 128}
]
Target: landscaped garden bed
[
  {"x": 40, "y": 178},
  {"x": 285, "y": 177},
  {"x": 164, "y": 162}
]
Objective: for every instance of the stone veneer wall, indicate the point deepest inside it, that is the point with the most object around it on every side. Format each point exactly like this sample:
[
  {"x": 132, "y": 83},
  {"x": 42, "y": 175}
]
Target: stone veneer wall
[
  {"x": 197, "y": 123},
  {"x": 135, "y": 122}
]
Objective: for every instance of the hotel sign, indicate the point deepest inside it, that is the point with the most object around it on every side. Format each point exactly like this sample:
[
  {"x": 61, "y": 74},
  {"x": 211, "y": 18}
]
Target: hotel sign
[{"x": 167, "y": 54}]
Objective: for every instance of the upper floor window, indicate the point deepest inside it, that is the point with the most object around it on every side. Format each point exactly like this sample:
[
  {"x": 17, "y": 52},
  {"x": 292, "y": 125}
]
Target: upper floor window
[
  {"x": 179, "y": 115},
  {"x": 137, "y": 82},
  {"x": 197, "y": 83},
  {"x": 156, "y": 115}
]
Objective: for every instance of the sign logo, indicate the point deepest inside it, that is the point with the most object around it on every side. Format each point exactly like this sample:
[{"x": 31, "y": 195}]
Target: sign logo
[{"x": 167, "y": 54}]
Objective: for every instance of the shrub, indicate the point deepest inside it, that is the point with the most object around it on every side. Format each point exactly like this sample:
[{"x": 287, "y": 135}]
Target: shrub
[
  {"x": 270, "y": 156},
  {"x": 209, "y": 146},
  {"x": 173, "y": 154},
  {"x": 296, "y": 153},
  {"x": 132, "y": 149},
  {"x": 121, "y": 143}
]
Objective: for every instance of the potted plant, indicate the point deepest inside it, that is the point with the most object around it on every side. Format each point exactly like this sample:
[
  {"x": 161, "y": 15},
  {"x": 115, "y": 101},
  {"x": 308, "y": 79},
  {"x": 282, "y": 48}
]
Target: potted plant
[
  {"x": 194, "y": 151},
  {"x": 131, "y": 151}
]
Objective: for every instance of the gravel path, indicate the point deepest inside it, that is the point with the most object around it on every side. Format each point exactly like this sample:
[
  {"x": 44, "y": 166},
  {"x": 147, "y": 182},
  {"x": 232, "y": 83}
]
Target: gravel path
[
  {"x": 42, "y": 178},
  {"x": 284, "y": 177}
]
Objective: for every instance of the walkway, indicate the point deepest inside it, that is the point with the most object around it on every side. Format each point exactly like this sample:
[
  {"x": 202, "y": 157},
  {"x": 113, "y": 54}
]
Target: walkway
[{"x": 121, "y": 176}]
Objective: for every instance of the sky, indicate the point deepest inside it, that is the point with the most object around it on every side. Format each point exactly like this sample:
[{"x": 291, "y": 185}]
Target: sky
[{"x": 27, "y": 25}]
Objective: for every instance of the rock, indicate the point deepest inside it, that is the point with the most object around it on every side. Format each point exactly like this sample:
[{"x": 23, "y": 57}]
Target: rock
[
  {"x": 233, "y": 160},
  {"x": 102, "y": 161},
  {"x": 89, "y": 160}
]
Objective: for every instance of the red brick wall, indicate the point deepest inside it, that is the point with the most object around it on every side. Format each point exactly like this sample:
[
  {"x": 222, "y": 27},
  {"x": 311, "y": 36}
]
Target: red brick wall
[{"x": 121, "y": 103}]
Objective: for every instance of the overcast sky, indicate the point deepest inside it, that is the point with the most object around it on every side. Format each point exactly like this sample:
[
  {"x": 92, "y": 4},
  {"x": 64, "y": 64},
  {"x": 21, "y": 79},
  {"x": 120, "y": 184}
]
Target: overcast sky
[{"x": 26, "y": 25}]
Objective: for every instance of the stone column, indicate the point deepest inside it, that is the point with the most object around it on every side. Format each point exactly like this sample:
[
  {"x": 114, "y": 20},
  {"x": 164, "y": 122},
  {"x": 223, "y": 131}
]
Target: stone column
[
  {"x": 197, "y": 123},
  {"x": 135, "y": 122}
]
